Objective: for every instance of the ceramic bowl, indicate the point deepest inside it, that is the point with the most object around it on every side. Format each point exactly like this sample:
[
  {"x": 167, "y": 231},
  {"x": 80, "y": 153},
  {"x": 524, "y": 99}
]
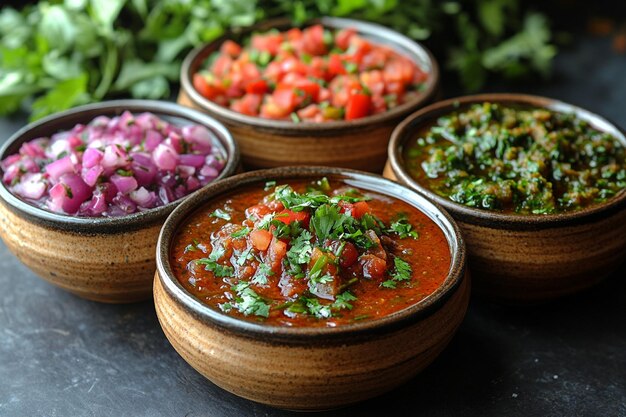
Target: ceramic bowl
[
  {"x": 526, "y": 258},
  {"x": 310, "y": 368},
  {"x": 358, "y": 144},
  {"x": 102, "y": 259}
]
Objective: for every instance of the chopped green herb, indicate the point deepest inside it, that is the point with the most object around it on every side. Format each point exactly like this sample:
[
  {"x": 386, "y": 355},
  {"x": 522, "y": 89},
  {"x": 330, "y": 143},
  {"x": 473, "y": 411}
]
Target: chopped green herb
[
  {"x": 269, "y": 185},
  {"x": 220, "y": 214},
  {"x": 402, "y": 228},
  {"x": 248, "y": 302},
  {"x": 261, "y": 275},
  {"x": 243, "y": 232}
]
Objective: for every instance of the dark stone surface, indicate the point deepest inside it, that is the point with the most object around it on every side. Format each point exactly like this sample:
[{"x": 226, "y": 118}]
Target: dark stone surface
[{"x": 64, "y": 356}]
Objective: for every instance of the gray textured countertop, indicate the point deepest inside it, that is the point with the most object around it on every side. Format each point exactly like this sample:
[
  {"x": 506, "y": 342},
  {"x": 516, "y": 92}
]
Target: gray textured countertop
[{"x": 64, "y": 356}]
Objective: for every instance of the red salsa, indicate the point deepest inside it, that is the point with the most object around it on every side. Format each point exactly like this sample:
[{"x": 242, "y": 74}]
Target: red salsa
[
  {"x": 313, "y": 74},
  {"x": 309, "y": 254}
]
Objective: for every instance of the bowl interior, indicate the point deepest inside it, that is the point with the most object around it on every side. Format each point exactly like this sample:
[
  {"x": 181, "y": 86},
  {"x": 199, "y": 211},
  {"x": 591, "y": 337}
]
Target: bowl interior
[
  {"x": 170, "y": 112},
  {"x": 408, "y": 129},
  {"x": 355, "y": 178},
  {"x": 373, "y": 32}
]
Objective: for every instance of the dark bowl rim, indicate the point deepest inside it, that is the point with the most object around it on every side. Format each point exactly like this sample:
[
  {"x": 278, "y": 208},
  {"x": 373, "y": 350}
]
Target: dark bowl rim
[
  {"x": 414, "y": 122},
  {"x": 288, "y": 335},
  {"x": 416, "y": 51},
  {"x": 131, "y": 221}
]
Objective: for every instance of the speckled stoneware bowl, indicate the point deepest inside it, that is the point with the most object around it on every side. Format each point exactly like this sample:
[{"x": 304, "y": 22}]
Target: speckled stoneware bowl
[
  {"x": 526, "y": 258},
  {"x": 357, "y": 144},
  {"x": 310, "y": 368},
  {"x": 102, "y": 259}
]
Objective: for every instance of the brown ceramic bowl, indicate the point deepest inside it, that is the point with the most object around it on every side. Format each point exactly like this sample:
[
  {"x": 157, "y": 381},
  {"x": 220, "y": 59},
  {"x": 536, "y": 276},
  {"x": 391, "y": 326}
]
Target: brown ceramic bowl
[
  {"x": 525, "y": 258},
  {"x": 102, "y": 259},
  {"x": 357, "y": 144},
  {"x": 310, "y": 368}
]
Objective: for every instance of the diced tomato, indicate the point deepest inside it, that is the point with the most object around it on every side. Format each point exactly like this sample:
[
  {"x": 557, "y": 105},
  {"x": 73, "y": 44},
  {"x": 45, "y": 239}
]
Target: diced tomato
[
  {"x": 294, "y": 34},
  {"x": 277, "y": 251},
  {"x": 230, "y": 48},
  {"x": 269, "y": 42},
  {"x": 288, "y": 216},
  {"x": 374, "y": 81},
  {"x": 310, "y": 89},
  {"x": 342, "y": 38},
  {"x": 335, "y": 65},
  {"x": 309, "y": 112},
  {"x": 317, "y": 68},
  {"x": 271, "y": 110},
  {"x": 285, "y": 98},
  {"x": 360, "y": 208},
  {"x": 205, "y": 88},
  {"x": 399, "y": 70},
  {"x": 313, "y": 40},
  {"x": 359, "y": 105},
  {"x": 260, "y": 239},
  {"x": 258, "y": 211},
  {"x": 373, "y": 266},
  {"x": 222, "y": 65},
  {"x": 293, "y": 65},
  {"x": 248, "y": 104},
  {"x": 356, "y": 210},
  {"x": 257, "y": 87}
]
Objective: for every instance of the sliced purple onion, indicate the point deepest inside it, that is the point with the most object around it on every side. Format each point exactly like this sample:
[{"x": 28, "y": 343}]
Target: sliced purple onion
[
  {"x": 113, "y": 166},
  {"x": 59, "y": 167},
  {"x": 124, "y": 184}
]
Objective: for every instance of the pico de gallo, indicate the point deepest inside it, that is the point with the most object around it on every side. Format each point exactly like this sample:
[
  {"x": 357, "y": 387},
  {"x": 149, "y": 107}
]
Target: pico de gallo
[
  {"x": 313, "y": 74},
  {"x": 309, "y": 253},
  {"x": 517, "y": 159}
]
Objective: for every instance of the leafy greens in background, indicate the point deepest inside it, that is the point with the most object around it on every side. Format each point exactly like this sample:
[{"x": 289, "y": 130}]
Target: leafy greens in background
[{"x": 58, "y": 54}]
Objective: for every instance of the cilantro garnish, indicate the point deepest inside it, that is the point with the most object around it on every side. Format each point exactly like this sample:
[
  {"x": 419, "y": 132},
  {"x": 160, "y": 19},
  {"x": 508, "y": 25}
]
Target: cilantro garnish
[
  {"x": 248, "y": 302},
  {"x": 402, "y": 228},
  {"x": 220, "y": 214},
  {"x": 243, "y": 232},
  {"x": 261, "y": 274},
  {"x": 402, "y": 272},
  {"x": 211, "y": 263}
]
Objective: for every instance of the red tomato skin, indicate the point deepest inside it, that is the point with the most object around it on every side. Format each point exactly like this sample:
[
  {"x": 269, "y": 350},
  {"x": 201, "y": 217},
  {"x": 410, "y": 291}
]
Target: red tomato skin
[
  {"x": 359, "y": 105},
  {"x": 231, "y": 48},
  {"x": 257, "y": 87},
  {"x": 260, "y": 239}
]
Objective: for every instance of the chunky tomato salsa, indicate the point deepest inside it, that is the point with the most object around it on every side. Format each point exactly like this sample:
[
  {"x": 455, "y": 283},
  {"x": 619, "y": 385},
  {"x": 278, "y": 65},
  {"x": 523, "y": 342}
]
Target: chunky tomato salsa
[
  {"x": 309, "y": 254},
  {"x": 517, "y": 159},
  {"x": 314, "y": 74}
]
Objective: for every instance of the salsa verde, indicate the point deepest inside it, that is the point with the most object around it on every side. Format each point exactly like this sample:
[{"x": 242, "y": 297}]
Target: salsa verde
[
  {"x": 517, "y": 159},
  {"x": 309, "y": 254}
]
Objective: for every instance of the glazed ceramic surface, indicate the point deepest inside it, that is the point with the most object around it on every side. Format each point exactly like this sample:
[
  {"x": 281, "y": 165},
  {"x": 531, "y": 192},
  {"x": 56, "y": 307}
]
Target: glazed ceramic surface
[
  {"x": 522, "y": 258},
  {"x": 310, "y": 368},
  {"x": 102, "y": 259},
  {"x": 359, "y": 144}
]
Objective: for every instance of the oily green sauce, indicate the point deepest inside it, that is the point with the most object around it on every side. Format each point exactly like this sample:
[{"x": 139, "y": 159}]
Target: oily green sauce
[{"x": 517, "y": 159}]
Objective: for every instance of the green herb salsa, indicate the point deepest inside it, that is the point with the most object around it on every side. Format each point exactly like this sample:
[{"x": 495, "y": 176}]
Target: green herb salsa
[
  {"x": 517, "y": 159},
  {"x": 309, "y": 253}
]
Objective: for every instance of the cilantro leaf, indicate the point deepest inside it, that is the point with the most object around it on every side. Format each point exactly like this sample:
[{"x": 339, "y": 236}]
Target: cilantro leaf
[
  {"x": 243, "y": 232},
  {"x": 220, "y": 214},
  {"x": 402, "y": 228},
  {"x": 248, "y": 302},
  {"x": 261, "y": 274}
]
